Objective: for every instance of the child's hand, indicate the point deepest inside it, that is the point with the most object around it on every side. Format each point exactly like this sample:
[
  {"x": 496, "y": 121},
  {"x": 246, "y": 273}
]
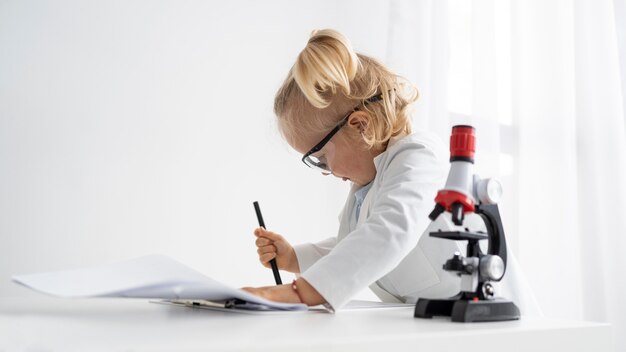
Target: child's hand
[
  {"x": 271, "y": 245},
  {"x": 285, "y": 293}
]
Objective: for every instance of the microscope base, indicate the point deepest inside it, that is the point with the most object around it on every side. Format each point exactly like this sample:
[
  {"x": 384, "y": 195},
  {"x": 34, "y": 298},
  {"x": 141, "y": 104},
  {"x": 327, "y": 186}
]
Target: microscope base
[{"x": 463, "y": 310}]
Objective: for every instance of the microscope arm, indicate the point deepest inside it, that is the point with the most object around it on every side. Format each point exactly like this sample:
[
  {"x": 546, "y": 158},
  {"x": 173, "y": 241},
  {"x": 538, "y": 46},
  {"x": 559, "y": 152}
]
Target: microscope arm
[{"x": 497, "y": 242}]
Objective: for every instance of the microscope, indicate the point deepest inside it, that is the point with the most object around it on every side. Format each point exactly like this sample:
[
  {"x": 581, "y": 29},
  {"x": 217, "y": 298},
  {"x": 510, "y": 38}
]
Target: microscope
[{"x": 463, "y": 194}]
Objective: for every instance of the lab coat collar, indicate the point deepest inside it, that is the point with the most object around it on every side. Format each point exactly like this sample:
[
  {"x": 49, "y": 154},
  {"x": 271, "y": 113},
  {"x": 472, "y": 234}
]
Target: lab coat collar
[{"x": 391, "y": 145}]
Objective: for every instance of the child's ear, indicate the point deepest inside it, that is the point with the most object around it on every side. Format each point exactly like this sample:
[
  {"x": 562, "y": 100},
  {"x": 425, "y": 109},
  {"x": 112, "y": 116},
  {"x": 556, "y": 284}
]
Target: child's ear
[{"x": 358, "y": 121}]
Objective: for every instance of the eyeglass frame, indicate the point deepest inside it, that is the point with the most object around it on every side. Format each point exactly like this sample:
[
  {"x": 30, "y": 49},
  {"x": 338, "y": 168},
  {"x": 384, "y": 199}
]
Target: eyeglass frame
[{"x": 338, "y": 127}]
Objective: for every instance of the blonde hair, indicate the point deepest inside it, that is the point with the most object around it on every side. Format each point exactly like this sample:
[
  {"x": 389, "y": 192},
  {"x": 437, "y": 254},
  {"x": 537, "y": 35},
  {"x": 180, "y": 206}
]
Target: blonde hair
[{"x": 329, "y": 79}]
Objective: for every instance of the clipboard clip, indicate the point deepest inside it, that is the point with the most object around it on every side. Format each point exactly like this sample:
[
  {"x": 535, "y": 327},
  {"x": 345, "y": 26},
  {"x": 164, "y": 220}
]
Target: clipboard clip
[
  {"x": 237, "y": 303},
  {"x": 234, "y": 303}
]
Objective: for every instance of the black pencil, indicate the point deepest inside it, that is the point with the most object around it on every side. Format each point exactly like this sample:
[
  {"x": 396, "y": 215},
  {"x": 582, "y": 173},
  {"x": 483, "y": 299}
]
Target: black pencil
[{"x": 273, "y": 261}]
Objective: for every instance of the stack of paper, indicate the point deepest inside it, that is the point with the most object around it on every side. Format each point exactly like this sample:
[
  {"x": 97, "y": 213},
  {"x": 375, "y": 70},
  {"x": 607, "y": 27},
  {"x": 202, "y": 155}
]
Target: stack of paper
[{"x": 153, "y": 276}]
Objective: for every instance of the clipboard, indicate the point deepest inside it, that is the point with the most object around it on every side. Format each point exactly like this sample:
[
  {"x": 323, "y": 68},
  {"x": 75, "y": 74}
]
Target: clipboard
[
  {"x": 235, "y": 306},
  {"x": 244, "y": 307}
]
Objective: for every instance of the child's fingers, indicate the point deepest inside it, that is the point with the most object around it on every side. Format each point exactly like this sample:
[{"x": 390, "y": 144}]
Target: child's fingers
[
  {"x": 262, "y": 241},
  {"x": 266, "y": 249},
  {"x": 265, "y": 258},
  {"x": 261, "y": 232}
]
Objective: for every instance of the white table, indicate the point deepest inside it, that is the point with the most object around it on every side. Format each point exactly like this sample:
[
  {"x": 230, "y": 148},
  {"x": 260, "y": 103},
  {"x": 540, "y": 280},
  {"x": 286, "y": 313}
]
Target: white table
[{"x": 45, "y": 324}]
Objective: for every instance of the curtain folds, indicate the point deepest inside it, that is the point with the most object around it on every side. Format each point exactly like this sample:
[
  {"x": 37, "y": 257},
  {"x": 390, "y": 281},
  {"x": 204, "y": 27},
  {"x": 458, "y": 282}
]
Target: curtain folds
[{"x": 543, "y": 84}]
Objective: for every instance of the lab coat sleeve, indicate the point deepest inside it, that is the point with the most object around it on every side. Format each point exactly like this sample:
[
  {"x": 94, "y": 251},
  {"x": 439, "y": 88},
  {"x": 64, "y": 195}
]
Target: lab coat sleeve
[
  {"x": 398, "y": 216},
  {"x": 309, "y": 253}
]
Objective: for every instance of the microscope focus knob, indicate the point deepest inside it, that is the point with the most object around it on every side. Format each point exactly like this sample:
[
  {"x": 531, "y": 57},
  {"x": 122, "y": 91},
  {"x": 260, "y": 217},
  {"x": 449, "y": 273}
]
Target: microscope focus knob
[
  {"x": 491, "y": 267},
  {"x": 488, "y": 290},
  {"x": 489, "y": 190}
]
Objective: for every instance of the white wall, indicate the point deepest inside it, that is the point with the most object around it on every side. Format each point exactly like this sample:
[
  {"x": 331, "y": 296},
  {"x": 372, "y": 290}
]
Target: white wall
[{"x": 136, "y": 127}]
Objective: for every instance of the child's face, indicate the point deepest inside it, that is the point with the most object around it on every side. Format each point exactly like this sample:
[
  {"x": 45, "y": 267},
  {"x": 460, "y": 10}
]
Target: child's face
[{"x": 346, "y": 153}]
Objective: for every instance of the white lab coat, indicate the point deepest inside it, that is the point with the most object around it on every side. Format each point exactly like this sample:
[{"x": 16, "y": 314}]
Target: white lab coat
[
  {"x": 383, "y": 249},
  {"x": 389, "y": 249}
]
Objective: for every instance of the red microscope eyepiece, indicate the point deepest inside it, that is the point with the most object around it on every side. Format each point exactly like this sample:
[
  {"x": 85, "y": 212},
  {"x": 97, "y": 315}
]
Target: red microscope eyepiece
[{"x": 462, "y": 143}]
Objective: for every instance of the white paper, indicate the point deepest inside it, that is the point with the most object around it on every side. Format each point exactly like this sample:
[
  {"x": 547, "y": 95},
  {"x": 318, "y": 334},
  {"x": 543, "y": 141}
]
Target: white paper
[{"x": 152, "y": 276}]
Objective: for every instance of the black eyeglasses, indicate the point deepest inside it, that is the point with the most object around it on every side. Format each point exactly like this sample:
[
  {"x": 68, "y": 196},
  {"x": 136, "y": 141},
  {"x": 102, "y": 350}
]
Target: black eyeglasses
[{"x": 316, "y": 163}]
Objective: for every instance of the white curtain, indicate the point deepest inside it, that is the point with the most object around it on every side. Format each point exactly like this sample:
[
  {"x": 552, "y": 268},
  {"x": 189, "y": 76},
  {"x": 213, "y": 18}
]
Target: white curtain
[{"x": 541, "y": 81}]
